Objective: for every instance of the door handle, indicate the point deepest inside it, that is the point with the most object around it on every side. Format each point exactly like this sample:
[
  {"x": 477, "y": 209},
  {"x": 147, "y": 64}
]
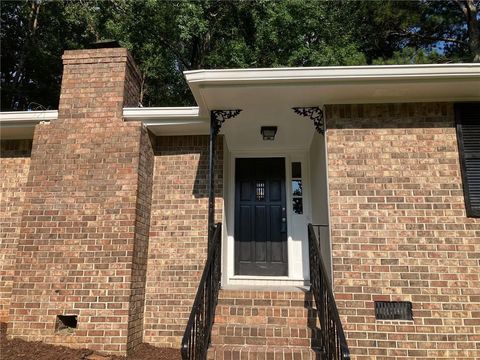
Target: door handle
[{"x": 283, "y": 227}]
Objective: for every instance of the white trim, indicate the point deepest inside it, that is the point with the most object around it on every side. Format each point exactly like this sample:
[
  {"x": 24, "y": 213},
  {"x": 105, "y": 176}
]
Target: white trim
[
  {"x": 337, "y": 84},
  {"x": 151, "y": 117},
  {"x": 229, "y": 278},
  {"x": 252, "y": 151},
  {"x": 156, "y": 115},
  {"x": 158, "y": 122},
  {"x": 452, "y": 78},
  {"x": 26, "y": 118},
  {"x": 225, "y": 211},
  {"x": 272, "y": 281},
  {"x": 325, "y": 134},
  {"x": 336, "y": 73}
]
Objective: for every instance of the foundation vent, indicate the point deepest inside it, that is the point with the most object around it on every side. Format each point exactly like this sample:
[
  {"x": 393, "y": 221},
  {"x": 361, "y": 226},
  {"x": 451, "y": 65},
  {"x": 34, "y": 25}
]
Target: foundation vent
[
  {"x": 66, "y": 322},
  {"x": 393, "y": 310}
]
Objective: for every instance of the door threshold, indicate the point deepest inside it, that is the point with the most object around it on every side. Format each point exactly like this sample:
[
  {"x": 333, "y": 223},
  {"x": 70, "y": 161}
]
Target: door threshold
[
  {"x": 273, "y": 287},
  {"x": 266, "y": 281},
  {"x": 260, "y": 277}
]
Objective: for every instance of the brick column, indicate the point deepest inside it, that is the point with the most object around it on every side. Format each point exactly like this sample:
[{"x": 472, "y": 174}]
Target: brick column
[{"x": 84, "y": 229}]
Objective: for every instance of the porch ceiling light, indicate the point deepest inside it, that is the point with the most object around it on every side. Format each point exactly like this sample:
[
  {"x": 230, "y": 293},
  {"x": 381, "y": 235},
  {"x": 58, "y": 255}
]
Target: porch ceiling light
[{"x": 268, "y": 132}]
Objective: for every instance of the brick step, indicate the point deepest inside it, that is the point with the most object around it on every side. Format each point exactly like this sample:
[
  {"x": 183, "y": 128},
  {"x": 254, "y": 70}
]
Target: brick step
[
  {"x": 261, "y": 314},
  {"x": 298, "y": 294},
  {"x": 265, "y": 335},
  {"x": 297, "y": 321},
  {"x": 266, "y": 304},
  {"x": 232, "y": 352},
  {"x": 247, "y": 307},
  {"x": 264, "y": 324}
]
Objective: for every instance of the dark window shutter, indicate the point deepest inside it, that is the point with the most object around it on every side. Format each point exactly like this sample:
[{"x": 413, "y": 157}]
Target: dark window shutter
[{"x": 468, "y": 133}]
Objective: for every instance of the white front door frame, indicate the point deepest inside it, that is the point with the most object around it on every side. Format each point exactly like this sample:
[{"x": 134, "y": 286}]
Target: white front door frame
[{"x": 297, "y": 244}]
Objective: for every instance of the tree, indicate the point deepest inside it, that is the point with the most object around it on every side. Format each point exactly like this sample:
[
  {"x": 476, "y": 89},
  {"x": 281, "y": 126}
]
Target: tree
[
  {"x": 470, "y": 11},
  {"x": 423, "y": 31},
  {"x": 169, "y": 37},
  {"x": 33, "y": 36}
]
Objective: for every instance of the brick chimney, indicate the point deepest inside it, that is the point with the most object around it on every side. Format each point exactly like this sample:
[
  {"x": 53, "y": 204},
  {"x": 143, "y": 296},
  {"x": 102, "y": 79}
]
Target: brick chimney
[
  {"x": 81, "y": 258},
  {"x": 98, "y": 83}
]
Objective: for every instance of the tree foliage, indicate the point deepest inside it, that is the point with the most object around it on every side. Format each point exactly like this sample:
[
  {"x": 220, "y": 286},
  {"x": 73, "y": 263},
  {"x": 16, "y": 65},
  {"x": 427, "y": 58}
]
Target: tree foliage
[{"x": 169, "y": 37}]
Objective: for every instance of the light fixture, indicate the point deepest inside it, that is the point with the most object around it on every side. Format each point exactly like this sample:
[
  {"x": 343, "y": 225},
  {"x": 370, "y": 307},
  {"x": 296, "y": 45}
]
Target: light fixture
[{"x": 268, "y": 132}]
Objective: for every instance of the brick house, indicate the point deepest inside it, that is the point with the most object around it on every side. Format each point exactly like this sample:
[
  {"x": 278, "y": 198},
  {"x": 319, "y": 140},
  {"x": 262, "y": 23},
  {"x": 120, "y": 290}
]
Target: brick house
[{"x": 108, "y": 212}]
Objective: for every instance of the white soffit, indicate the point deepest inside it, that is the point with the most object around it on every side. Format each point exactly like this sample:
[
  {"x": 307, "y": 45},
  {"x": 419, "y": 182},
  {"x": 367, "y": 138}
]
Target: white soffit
[{"x": 288, "y": 87}]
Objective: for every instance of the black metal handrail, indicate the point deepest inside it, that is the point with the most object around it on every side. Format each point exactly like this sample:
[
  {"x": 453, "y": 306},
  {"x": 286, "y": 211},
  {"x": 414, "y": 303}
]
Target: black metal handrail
[
  {"x": 333, "y": 338},
  {"x": 196, "y": 339}
]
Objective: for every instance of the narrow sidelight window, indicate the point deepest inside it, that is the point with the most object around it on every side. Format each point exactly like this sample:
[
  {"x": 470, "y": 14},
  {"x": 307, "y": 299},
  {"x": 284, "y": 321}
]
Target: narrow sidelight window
[
  {"x": 297, "y": 188},
  {"x": 467, "y": 117}
]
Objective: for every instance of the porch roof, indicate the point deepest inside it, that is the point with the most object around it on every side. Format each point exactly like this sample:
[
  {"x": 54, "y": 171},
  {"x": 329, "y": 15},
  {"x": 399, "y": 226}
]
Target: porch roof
[
  {"x": 263, "y": 93},
  {"x": 317, "y": 86}
]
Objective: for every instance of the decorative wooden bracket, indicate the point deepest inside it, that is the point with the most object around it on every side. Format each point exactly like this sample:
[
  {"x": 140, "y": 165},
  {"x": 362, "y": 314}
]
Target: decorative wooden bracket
[
  {"x": 315, "y": 113},
  {"x": 218, "y": 117}
]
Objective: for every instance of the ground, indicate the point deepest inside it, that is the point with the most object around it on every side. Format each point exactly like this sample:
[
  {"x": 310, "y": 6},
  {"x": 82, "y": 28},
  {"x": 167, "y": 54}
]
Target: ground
[{"x": 19, "y": 349}]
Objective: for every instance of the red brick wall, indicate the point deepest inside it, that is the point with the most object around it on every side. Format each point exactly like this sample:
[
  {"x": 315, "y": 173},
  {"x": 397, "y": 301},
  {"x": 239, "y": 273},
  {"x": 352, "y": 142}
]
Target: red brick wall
[
  {"x": 133, "y": 83},
  {"x": 399, "y": 231},
  {"x": 140, "y": 247},
  {"x": 178, "y": 234},
  {"x": 14, "y": 164},
  {"x": 82, "y": 244}
]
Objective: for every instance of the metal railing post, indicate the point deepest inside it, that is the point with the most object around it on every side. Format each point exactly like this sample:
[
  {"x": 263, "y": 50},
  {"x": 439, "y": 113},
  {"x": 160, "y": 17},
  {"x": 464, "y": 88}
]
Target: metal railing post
[
  {"x": 334, "y": 342},
  {"x": 196, "y": 339}
]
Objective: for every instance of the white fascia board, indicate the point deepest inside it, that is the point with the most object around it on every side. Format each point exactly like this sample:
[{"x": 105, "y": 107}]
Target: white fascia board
[
  {"x": 332, "y": 73},
  {"x": 149, "y": 116},
  {"x": 160, "y": 114},
  {"x": 26, "y": 118}
]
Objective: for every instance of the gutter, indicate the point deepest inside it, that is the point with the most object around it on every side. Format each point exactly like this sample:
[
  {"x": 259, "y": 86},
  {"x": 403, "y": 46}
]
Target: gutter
[{"x": 149, "y": 116}]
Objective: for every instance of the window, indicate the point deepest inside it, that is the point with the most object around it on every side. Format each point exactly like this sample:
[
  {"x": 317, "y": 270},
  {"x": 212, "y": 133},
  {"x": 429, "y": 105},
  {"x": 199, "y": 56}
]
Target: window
[
  {"x": 468, "y": 134},
  {"x": 297, "y": 189},
  {"x": 260, "y": 190}
]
